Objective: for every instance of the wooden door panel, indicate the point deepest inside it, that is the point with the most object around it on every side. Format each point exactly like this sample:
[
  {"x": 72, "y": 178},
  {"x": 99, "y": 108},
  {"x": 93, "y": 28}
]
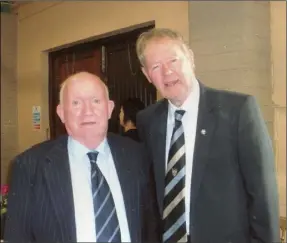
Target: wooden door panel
[
  {"x": 125, "y": 79},
  {"x": 89, "y": 62},
  {"x": 66, "y": 65},
  {"x": 122, "y": 73}
]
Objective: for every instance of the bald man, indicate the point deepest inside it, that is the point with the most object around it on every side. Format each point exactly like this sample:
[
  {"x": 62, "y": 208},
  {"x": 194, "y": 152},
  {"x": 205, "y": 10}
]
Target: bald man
[{"x": 88, "y": 186}]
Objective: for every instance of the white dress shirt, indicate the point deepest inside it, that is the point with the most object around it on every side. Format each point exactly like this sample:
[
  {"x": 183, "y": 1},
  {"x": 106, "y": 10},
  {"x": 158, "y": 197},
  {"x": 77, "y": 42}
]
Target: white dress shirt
[
  {"x": 82, "y": 189},
  {"x": 189, "y": 122}
]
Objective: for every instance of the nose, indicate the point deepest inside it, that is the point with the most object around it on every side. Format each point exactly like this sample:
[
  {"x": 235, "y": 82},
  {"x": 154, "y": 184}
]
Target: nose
[
  {"x": 87, "y": 109},
  {"x": 166, "y": 69}
]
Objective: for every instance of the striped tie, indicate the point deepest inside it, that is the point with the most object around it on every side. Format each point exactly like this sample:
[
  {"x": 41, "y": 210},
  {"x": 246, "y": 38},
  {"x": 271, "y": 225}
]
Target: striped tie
[
  {"x": 174, "y": 196},
  {"x": 107, "y": 225}
]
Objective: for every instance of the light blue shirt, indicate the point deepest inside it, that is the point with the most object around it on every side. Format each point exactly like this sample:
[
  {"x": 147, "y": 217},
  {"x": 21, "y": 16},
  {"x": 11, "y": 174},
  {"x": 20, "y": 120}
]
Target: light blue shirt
[{"x": 80, "y": 168}]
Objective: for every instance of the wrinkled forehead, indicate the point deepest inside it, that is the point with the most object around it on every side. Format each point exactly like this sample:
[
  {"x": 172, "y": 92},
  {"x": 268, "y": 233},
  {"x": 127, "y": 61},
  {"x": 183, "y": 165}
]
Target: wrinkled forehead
[
  {"x": 163, "y": 42},
  {"x": 84, "y": 87},
  {"x": 163, "y": 49}
]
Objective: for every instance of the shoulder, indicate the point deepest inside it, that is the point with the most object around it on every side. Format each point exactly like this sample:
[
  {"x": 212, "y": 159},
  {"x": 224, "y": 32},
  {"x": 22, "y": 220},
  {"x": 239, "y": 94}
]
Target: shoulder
[
  {"x": 133, "y": 134},
  {"x": 225, "y": 97},
  {"x": 127, "y": 146},
  {"x": 228, "y": 102},
  {"x": 38, "y": 151},
  {"x": 145, "y": 116},
  {"x": 133, "y": 152},
  {"x": 152, "y": 108},
  {"x": 233, "y": 105},
  {"x": 123, "y": 142},
  {"x": 26, "y": 163}
]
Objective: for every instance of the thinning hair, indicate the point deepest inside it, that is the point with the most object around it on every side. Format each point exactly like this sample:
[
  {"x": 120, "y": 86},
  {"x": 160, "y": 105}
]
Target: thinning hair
[
  {"x": 74, "y": 76},
  {"x": 153, "y": 34}
]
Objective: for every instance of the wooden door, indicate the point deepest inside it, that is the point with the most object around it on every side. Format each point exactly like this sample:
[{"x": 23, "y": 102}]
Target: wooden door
[
  {"x": 113, "y": 59},
  {"x": 124, "y": 76},
  {"x": 63, "y": 65}
]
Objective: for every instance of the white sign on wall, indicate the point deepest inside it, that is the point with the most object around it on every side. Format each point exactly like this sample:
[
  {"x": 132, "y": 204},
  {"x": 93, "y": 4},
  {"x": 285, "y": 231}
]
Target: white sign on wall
[{"x": 36, "y": 117}]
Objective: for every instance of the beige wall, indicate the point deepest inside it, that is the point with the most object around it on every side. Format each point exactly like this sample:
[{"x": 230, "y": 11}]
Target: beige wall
[
  {"x": 45, "y": 25},
  {"x": 241, "y": 46},
  {"x": 235, "y": 33},
  {"x": 278, "y": 57},
  {"x": 9, "y": 119},
  {"x": 231, "y": 42}
]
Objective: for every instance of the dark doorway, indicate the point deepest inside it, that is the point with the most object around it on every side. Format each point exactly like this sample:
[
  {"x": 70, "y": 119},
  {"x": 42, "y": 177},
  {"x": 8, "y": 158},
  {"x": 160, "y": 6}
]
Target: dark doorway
[{"x": 113, "y": 58}]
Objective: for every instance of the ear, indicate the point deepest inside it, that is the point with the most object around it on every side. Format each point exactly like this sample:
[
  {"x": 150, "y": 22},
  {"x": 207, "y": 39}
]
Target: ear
[
  {"x": 146, "y": 74},
  {"x": 111, "y": 106},
  {"x": 191, "y": 55},
  {"x": 60, "y": 113}
]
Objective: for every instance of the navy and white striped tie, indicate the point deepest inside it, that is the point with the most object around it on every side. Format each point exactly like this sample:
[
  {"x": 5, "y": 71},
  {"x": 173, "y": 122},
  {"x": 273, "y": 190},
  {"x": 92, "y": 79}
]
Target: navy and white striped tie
[
  {"x": 107, "y": 224},
  {"x": 174, "y": 219}
]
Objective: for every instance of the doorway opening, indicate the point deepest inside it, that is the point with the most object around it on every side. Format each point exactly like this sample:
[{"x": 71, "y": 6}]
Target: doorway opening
[{"x": 113, "y": 58}]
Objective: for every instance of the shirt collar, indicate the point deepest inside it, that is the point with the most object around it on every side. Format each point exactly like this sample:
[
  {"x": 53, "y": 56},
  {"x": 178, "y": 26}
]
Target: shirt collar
[
  {"x": 79, "y": 150},
  {"x": 189, "y": 105}
]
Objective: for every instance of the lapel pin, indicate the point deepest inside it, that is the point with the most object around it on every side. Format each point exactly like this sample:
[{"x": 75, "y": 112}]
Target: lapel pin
[
  {"x": 174, "y": 172},
  {"x": 203, "y": 131}
]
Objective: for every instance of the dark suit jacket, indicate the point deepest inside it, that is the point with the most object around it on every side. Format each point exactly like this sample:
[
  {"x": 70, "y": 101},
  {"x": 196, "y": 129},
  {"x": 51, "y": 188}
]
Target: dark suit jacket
[
  {"x": 233, "y": 186},
  {"x": 133, "y": 134},
  {"x": 40, "y": 201}
]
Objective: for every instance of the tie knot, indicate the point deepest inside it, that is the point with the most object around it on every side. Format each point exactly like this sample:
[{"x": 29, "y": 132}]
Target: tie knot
[
  {"x": 179, "y": 114},
  {"x": 93, "y": 156}
]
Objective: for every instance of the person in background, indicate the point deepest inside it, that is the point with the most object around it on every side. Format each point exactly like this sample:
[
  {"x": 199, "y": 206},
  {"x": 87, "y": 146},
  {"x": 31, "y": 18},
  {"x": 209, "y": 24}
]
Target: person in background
[
  {"x": 128, "y": 113},
  {"x": 87, "y": 186},
  {"x": 213, "y": 158}
]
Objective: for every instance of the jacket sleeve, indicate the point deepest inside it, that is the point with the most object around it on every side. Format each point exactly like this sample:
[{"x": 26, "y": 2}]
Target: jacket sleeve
[
  {"x": 151, "y": 215},
  {"x": 17, "y": 225},
  {"x": 256, "y": 159}
]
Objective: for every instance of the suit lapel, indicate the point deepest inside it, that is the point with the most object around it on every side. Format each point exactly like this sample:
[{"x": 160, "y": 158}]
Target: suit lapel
[
  {"x": 128, "y": 187},
  {"x": 58, "y": 179},
  {"x": 206, "y": 124},
  {"x": 158, "y": 139}
]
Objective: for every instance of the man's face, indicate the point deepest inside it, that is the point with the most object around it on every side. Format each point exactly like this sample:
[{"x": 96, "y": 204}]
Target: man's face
[
  {"x": 170, "y": 67},
  {"x": 85, "y": 108}
]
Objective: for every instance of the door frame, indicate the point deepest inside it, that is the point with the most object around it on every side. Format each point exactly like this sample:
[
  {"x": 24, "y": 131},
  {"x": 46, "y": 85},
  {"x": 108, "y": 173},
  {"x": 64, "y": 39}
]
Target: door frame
[{"x": 89, "y": 43}]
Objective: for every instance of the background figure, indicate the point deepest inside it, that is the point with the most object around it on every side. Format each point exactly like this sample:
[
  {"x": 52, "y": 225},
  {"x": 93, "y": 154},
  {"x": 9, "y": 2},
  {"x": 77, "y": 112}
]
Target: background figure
[
  {"x": 212, "y": 155},
  {"x": 127, "y": 116},
  {"x": 89, "y": 186}
]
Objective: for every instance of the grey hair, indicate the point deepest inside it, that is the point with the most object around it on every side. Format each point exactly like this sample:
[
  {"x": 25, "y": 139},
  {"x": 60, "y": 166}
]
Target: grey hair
[{"x": 156, "y": 33}]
